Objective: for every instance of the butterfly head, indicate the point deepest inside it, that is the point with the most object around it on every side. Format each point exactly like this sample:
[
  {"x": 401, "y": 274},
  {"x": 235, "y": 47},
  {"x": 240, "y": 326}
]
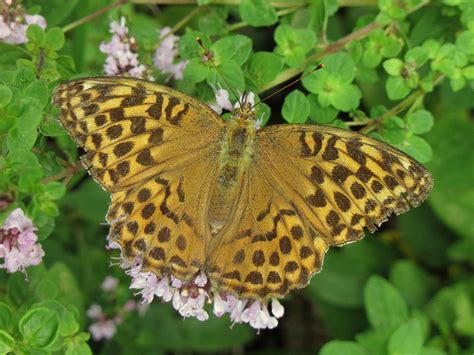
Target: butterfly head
[{"x": 244, "y": 110}]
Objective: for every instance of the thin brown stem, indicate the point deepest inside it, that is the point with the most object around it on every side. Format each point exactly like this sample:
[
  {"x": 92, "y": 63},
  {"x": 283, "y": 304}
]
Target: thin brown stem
[
  {"x": 66, "y": 174},
  {"x": 239, "y": 25},
  {"x": 92, "y": 16},
  {"x": 332, "y": 48},
  {"x": 180, "y": 24},
  {"x": 329, "y": 49},
  {"x": 275, "y": 4},
  {"x": 402, "y": 106}
]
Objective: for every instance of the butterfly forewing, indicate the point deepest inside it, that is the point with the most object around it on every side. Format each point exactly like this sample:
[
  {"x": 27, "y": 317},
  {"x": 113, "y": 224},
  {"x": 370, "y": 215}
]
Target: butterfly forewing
[{"x": 156, "y": 150}]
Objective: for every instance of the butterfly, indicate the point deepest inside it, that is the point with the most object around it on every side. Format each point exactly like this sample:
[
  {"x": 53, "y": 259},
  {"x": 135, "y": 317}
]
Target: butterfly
[{"x": 255, "y": 209}]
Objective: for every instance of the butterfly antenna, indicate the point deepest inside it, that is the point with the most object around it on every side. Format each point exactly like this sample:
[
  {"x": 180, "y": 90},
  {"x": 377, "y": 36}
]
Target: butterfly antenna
[
  {"x": 208, "y": 54},
  {"x": 319, "y": 66}
]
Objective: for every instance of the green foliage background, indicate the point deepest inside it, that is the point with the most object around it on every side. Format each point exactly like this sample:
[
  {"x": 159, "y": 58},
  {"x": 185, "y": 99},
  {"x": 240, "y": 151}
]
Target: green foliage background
[{"x": 399, "y": 70}]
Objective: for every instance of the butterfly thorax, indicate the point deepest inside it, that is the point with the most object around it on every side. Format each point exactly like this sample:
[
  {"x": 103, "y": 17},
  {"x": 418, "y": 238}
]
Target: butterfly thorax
[{"x": 236, "y": 150}]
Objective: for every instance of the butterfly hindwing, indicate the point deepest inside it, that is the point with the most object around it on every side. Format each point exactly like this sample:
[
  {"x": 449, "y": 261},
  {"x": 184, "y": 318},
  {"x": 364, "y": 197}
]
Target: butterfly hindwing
[{"x": 153, "y": 148}]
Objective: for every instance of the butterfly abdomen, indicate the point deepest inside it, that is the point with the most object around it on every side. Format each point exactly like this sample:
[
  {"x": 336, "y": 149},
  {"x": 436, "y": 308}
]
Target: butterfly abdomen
[{"x": 234, "y": 159}]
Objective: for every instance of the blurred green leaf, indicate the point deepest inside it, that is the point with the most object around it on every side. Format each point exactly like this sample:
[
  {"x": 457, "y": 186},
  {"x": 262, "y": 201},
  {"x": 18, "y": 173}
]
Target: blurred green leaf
[
  {"x": 337, "y": 347},
  {"x": 418, "y": 148},
  {"x": 258, "y": 13},
  {"x": 420, "y": 121},
  {"x": 5, "y": 315},
  {"x": 406, "y": 339},
  {"x": 413, "y": 283},
  {"x": 5, "y": 95},
  {"x": 55, "y": 39},
  {"x": 384, "y": 305},
  {"x": 7, "y": 342},
  {"x": 452, "y": 198}
]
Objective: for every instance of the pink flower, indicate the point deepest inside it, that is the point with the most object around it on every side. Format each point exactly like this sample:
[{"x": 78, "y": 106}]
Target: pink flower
[
  {"x": 122, "y": 56},
  {"x": 166, "y": 53},
  {"x": 109, "y": 284},
  {"x": 103, "y": 327},
  {"x": 14, "y": 23},
  {"x": 190, "y": 297},
  {"x": 18, "y": 244}
]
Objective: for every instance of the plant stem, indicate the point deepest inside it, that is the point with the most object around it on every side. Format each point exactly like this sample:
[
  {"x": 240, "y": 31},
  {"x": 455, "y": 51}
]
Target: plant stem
[
  {"x": 92, "y": 16},
  {"x": 400, "y": 107},
  {"x": 239, "y": 25},
  {"x": 333, "y": 47},
  {"x": 276, "y": 4},
  {"x": 180, "y": 24},
  {"x": 66, "y": 174}
]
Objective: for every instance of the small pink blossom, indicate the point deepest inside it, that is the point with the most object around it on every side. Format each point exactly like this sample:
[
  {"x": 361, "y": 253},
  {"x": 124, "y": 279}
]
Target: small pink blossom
[
  {"x": 109, "y": 284},
  {"x": 190, "y": 297},
  {"x": 166, "y": 53},
  {"x": 14, "y": 22},
  {"x": 122, "y": 56},
  {"x": 103, "y": 327},
  {"x": 18, "y": 244}
]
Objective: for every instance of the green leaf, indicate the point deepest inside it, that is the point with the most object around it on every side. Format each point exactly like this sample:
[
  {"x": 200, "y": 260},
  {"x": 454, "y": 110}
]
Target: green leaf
[
  {"x": 419, "y": 55},
  {"x": 418, "y": 148},
  {"x": 5, "y": 95},
  {"x": 39, "y": 327},
  {"x": 393, "y": 66},
  {"x": 258, "y": 13},
  {"x": 384, "y": 306},
  {"x": 412, "y": 282},
  {"x": 396, "y": 88},
  {"x": 420, "y": 121},
  {"x": 55, "y": 190},
  {"x": 78, "y": 348},
  {"x": 293, "y": 44},
  {"x": 36, "y": 35},
  {"x": 56, "y": 11},
  {"x": 39, "y": 90},
  {"x": 263, "y": 67},
  {"x": 295, "y": 107},
  {"x": 212, "y": 23},
  {"x": 237, "y": 48},
  {"x": 55, "y": 39},
  {"x": 465, "y": 42},
  {"x": 407, "y": 339},
  {"x": 346, "y": 98},
  {"x": 189, "y": 48},
  {"x": 7, "y": 342},
  {"x": 453, "y": 195},
  {"x": 21, "y": 139},
  {"x": 319, "y": 114},
  {"x": 5, "y": 315},
  {"x": 232, "y": 73},
  {"x": 196, "y": 71},
  {"x": 337, "y": 347}
]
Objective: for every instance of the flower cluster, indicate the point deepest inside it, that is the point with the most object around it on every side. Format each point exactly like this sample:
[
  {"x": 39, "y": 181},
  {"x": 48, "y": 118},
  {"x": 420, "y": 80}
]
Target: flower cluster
[
  {"x": 104, "y": 325},
  {"x": 14, "y": 22},
  {"x": 166, "y": 53},
  {"x": 122, "y": 56},
  {"x": 190, "y": 297},
  {"x": 18, "y": 243}
]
